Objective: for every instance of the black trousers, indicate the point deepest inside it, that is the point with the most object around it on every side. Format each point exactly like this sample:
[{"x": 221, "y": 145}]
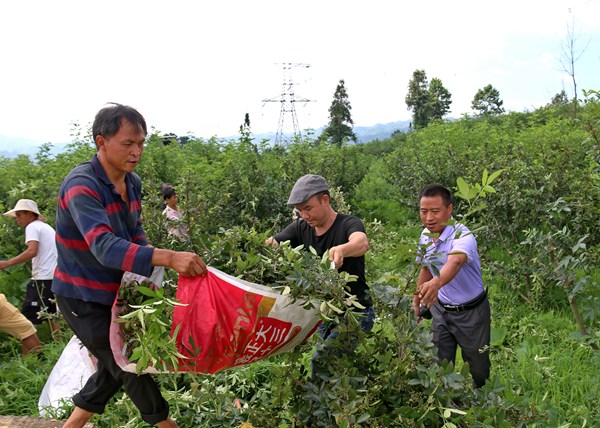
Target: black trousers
[
  {"x": 91, "y": 322},
  {"x": 38, "y": 298},
  {"x": 468, "y": 329},
  {"x": 329, "y": 332}
]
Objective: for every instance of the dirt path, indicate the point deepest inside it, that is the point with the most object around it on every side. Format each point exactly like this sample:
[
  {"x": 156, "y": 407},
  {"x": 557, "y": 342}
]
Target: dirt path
[{"x": 29, "y": 422}]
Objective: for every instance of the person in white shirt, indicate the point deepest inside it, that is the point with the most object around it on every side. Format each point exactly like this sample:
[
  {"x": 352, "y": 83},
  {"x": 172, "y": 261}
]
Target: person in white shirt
[{"x": 41, "y": 250}]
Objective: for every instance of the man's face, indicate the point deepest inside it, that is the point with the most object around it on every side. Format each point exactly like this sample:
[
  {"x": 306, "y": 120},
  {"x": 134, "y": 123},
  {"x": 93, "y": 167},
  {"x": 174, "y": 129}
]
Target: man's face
[
  {"x": 23, "y": 218},
  {"x": 172, "y": 201},
  {"x": 314, "y": 211},
  {"x": 123, "y": 151},
  {"x": 434, "y": 213}
]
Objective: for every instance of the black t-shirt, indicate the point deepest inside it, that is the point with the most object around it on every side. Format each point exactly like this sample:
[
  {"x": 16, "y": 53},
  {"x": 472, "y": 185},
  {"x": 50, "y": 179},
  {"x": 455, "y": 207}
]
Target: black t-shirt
[{"x": 300, "y": 233}]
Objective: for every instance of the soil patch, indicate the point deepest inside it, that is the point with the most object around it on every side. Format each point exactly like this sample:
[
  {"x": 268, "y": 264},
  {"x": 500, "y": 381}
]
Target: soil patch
[{"x": 29, "y": 422}]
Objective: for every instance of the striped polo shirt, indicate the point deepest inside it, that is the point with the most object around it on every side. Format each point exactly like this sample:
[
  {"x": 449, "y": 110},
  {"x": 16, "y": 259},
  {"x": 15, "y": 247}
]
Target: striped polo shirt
[{"x": 98, "y": 236}]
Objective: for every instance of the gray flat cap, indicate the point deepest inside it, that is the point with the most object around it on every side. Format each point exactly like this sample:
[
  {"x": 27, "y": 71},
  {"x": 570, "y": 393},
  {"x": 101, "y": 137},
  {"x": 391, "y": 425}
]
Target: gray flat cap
[{"x": 306, "y": 187}]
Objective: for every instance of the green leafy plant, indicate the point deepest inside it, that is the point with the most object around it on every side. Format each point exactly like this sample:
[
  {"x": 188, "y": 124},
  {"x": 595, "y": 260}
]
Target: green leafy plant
[
  {"x": 559, "y": 259},
  {"x": 232, "y": 190},
  {"x": 145, "y": 320},
  {"x": 475, "y": 194}
]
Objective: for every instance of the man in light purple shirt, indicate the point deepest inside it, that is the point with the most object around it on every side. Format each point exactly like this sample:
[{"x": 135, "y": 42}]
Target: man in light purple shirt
[{"x": 450, "y": 285}]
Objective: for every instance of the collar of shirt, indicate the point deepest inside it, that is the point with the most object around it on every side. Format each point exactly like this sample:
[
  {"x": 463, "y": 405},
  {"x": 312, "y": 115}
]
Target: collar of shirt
[
  {"x": 100, "y": 171},
  {"x": 104, "y": 178}
]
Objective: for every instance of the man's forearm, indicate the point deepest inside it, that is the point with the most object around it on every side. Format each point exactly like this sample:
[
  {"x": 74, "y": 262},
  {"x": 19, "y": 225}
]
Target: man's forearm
[
  {"x": 183, "y": 262},
  {"x": 424, "y": 276},
  {"x": 25, "y": 256},
  {"x": 357, "y": 245},
  {"x": 451, "y": 268},
  {"x": 162, "y": 257}
]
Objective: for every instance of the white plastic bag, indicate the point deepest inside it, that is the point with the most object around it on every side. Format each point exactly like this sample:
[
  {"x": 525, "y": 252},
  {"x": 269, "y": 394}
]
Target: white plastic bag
[
  {"x": 70, "y": 373},
  {"x": 156, "y": 278}
]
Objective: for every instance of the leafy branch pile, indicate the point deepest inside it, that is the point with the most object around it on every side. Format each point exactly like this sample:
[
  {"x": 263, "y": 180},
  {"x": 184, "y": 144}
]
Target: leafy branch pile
[
  {"x": 302, "y": 274},
  {"x": 146, "y": 312}
]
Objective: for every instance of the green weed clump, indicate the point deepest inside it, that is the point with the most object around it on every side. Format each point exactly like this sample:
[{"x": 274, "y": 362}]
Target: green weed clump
[{"x": 538, "y": 238}]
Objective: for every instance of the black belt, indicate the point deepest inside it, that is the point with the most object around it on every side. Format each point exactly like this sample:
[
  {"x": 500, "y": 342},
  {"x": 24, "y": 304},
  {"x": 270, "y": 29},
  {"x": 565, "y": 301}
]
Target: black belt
[{"x": 471, "y": 304}]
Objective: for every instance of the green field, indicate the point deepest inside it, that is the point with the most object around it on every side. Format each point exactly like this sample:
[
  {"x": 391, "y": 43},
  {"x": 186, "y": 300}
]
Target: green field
[{"x": 539, "y": 240}]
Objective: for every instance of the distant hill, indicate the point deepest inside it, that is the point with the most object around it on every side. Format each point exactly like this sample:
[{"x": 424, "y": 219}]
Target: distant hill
[
  {"x": 364, "y": 134},
  {"x": 14, "y": 146},
  {"x": 11, "y": 147},
  {"x": 380, "y": 131}
]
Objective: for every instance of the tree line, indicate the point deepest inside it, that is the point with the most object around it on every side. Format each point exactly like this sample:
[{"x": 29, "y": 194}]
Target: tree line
[{"x": 427, "y": 100}]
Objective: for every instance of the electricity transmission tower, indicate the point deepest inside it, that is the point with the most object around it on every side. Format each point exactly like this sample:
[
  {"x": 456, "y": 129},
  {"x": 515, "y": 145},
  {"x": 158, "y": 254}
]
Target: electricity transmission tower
[{"x": 288, "y": 100}]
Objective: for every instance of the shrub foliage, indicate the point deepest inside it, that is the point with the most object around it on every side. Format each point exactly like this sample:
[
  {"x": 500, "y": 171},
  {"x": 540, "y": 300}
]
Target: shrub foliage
[{"x": 538, "y": 235}]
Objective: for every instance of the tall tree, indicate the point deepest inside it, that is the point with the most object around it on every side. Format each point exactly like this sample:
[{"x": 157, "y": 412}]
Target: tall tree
[
  {"x": 440, "y": 99},
  {"x": 487, "y": 101},
  {"x": 570, "y": 54},
  {"x": 427, "y": 101},
  {"x": 340, "y": 124},
  {"x": 560, "y": 99},
  {"x": 245, "y": 127},
  {"x": 417, "y": 99}
]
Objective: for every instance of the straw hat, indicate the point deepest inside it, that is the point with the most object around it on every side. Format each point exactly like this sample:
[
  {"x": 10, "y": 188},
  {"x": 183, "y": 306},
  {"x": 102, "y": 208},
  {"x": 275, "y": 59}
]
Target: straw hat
[{"x": 25, "y": 205}]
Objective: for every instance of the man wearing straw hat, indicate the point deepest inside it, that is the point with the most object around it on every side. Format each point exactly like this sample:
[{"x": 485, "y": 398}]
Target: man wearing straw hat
[{"x": 41, "y": 250}]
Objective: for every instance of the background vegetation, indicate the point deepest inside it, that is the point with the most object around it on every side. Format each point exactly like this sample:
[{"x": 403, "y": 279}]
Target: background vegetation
[{"x": 539, "y": 241}]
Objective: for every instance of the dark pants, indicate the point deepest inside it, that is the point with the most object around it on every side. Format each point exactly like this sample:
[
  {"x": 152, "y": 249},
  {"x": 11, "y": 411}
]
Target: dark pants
[
  {"x": 468, "y": 329},
  {"x": 90, "y": 322},
  {"x": 38, "y": 298},
  {"x": 329, "y": 333}
]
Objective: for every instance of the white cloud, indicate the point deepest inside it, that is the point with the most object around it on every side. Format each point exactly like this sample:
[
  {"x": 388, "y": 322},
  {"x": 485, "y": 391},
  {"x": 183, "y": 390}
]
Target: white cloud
[{"x": 200, "y": 66}]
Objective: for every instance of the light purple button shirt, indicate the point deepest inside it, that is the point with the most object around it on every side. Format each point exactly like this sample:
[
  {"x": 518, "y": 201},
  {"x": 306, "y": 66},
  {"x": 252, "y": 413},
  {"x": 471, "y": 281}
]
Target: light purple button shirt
[{"x": 468, "y": 283}]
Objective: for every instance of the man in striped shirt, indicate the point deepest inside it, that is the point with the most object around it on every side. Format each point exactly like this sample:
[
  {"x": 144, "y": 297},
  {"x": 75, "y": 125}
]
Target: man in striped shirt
[{"x": 99, "y": 235}]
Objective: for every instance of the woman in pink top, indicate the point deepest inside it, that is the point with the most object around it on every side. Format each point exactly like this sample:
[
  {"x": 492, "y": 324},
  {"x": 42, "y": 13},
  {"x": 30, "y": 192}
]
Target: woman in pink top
[{"x": 172, "y": 214}]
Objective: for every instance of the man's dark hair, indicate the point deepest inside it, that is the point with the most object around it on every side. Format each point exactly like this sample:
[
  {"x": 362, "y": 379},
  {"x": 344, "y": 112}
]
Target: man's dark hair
[
  {"x": 168, "y": 192},
  {"x": 432, "y": 190},
  {"x": 320, "y": 195},
  {"x": 108, "y": 120}
]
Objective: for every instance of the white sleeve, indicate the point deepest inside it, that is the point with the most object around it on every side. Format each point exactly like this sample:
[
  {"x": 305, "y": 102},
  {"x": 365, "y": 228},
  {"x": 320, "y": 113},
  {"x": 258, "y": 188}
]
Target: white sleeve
[{"x": 32, "y": 232}]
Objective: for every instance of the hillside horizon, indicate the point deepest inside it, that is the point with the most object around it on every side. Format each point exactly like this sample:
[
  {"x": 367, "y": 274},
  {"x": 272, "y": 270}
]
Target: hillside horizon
[{"x": 364, "y": 134}]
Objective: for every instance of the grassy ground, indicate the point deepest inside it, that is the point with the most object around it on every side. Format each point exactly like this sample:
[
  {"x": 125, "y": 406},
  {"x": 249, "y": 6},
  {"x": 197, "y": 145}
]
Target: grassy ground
[
  {"x": 544, "y": 359},
  {"x": 538, "y": 360}
]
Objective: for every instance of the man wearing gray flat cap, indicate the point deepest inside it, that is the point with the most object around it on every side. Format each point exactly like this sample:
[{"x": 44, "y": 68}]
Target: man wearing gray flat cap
[{"x": 322, "y": 228}]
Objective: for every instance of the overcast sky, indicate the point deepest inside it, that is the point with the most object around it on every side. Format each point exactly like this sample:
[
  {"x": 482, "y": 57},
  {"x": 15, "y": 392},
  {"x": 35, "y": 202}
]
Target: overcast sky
[{"x": 198, "y": 67}]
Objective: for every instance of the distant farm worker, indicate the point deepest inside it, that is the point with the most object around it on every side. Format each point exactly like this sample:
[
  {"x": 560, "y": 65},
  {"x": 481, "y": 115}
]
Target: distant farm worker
[
  {"x": 41, "y": 250},
  {"x": 325, "y": 229},
  {"x": 173, "y": 214},
  {"x": 14, "y": 323},
  {"x": 456, "y": 297},
  {"x": 163, "y": 188},
  {"x": 99, "y": 235}
]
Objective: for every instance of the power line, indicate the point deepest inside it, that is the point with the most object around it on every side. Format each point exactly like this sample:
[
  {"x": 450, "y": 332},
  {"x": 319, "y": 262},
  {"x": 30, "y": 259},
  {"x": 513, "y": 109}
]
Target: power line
[{"x": 288, "y": 100}]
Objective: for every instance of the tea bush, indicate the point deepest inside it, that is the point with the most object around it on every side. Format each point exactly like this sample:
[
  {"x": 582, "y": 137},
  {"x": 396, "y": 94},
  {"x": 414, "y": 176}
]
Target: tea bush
[{"x": 234, "y": 195}]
